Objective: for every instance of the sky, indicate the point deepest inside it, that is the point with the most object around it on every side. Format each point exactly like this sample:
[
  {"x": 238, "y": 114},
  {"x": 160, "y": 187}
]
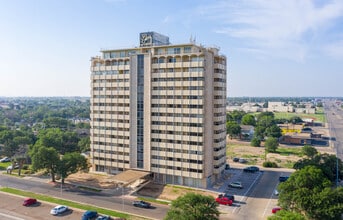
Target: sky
[{"x": 274, "y": 48}]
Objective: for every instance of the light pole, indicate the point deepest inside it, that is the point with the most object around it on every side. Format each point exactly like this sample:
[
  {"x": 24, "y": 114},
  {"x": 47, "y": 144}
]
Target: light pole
[{"x": 122, "y": 195}]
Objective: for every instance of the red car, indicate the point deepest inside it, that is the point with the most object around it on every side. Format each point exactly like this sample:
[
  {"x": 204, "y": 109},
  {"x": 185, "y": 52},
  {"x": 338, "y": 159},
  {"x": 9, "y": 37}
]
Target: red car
[
  {"x": 29, "y": 201},
  {"x": 224, "y": 200},
  {"x": 276, "y": 209}
]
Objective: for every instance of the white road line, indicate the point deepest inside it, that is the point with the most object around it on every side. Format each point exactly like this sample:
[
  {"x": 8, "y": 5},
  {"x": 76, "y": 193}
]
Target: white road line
[
  {"x": 244, "y": 196},
  {"x": 11, "y": 217},
  {"x": 270, "y": 199}
]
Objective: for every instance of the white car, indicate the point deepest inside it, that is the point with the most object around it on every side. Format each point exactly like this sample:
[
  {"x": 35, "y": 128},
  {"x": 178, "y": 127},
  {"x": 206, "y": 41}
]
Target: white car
[
  {"x": 276, "y": 192},
  {"x": 236, "y": 185},
  {"x": 5, "y": 159},
  {"x": 59, "y": 209}
]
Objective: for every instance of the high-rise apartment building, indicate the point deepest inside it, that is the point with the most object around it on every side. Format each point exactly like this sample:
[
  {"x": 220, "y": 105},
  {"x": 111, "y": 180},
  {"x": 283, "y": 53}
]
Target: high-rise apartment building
[{"x": 160, "y": 108}]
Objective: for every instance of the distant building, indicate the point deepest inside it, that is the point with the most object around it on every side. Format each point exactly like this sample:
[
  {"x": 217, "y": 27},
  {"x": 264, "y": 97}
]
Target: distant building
[
  {"x": 279, "y": 107},
  {"x": 160, "y": 108}
]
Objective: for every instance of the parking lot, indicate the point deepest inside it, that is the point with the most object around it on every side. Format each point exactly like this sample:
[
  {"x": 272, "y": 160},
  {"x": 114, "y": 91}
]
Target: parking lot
[
  {"x": 14, "y": 210},
  {"x": 247, "y": 179}
]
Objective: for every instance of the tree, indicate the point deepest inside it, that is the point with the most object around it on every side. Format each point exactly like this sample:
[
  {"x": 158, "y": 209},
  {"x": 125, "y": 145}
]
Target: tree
[
  {"x": 308, "y": 191},
  {"x": 45, "y": 158},
  {"x": 271, "y": 144},
  {"x": 248, "y": 120},
  {"x": 273, "y": 131},
  {"x": 72, "y": 163},
  {"x": 84, "y": 144},
  {"x": 326, "y": 162},
  {"x": 62, "y": 141},
  {"x": 233, "y": 129},
  {"x": 193, "y": 206},
  {"x": 255, "y": 142},
  {"x": 286, "y": 215},
  {"x": 309, "y": 151},
  {"x": 295, "y": 120}
]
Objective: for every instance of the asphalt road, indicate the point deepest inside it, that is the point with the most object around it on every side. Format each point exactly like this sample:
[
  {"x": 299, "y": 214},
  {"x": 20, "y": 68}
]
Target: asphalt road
[
  {"x": 105, "y": 200},
  {"x": 256, "y": 199},
  {"x": 334, "y": 117}
]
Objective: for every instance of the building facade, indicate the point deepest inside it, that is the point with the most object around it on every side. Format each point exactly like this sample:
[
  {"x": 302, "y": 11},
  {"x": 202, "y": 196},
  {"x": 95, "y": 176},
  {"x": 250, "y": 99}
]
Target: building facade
[{"x": 160, "y": 108}]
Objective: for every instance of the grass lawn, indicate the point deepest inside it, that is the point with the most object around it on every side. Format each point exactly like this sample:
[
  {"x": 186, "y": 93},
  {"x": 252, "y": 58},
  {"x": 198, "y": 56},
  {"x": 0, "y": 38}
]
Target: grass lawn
[
  {"x": 3, "y": 166},
  {"x": 318, "y": 117}
]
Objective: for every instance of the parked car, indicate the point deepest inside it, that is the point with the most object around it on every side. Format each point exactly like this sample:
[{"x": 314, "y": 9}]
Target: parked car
[
  {"x": 242, "y": 160},
  {"x": 229, "y": 196},
  {"x": 276, "y": 192},
  {"x": 251, "y": 169},
  {"x": 10, "y": 167},
  {"x": 224, "y": 200},
  {"x": 29, "y": 201},
  {"x": 103, "y": 217},
  {"x": 5, "y": 159},
  {"x": 236, "y": 185},
  {"x": 283, "y": 178},
  {"x": 276, "y": 209},
  {"x": 227, "y": 166},
  {"x": 141, "y": 204},
  {"x": 89, "y": 214},
  {"x": 59, "y": 210},
  {"x": 235, "y": 159}
]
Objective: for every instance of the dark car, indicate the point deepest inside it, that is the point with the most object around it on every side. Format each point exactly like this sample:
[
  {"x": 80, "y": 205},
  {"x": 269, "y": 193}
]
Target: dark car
[
  {"x": 283, "y": 178},
  {"x": 229, "y": 196},
  {"x": 251, "y": 169},
  {"x": 29, "y": 201},
  {"x": 141, "y": 204},
  {"x": 235, "y": 159},
  {"x": 89, "y": 214}
]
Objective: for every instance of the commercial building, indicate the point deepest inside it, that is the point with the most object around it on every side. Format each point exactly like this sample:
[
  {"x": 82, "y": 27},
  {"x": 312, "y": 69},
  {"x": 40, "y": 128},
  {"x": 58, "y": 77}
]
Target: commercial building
[{"x": 160, "y": 108}]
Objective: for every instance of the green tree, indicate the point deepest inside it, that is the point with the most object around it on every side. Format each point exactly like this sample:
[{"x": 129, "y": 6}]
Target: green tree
[
  {"x": 45, "y": 158},
  {"x": 295, "y": 120},
  {"x": 84, "y": 144},
  {"x": 62, "y": 141},
  {"x": 271, "y": 144},
  {"x": 273, "y": 131},
  {"x": 255, "y": 142},
  {"x": 248, "y": 120},
  {"x": 233, "y": 129},
  {"x": 72, "y": 163},
  {"x": 326, "y": 162},
  {"x": 308, "y": 191},
  {"x": 309, "y": 151},
  {"x": 193, "y": 207},
  {"x": 286, "y": 215}
]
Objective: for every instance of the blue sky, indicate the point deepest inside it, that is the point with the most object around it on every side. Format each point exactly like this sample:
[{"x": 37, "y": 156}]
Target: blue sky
[{"x": 274, "y": 47}]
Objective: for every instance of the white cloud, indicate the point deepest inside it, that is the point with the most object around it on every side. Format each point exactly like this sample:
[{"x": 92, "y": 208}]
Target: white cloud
[{"x": 289, "y": 28}]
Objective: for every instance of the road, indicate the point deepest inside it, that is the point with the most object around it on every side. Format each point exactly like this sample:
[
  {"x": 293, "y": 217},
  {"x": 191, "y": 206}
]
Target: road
[
  {"x": 334, "y": 117},
  {"x": 256, "y": 200},
  {"x": 105, "y": 200}
]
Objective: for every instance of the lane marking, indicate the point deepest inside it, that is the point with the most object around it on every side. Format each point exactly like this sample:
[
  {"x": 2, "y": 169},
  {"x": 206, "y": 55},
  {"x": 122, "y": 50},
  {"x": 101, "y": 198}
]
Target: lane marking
[
  {"x": 244, "y": 195},
  {"x": 10, "y": 216}
]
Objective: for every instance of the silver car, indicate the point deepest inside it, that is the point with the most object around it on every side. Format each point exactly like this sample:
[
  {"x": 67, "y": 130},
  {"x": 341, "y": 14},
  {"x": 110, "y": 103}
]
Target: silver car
[
  {"x": 59, "y": 210},
  {"x": 236, "y": 185}
]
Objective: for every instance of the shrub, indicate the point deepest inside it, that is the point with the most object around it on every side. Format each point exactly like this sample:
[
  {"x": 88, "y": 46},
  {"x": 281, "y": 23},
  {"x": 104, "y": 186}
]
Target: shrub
[{"x": 269, "y": 164}]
